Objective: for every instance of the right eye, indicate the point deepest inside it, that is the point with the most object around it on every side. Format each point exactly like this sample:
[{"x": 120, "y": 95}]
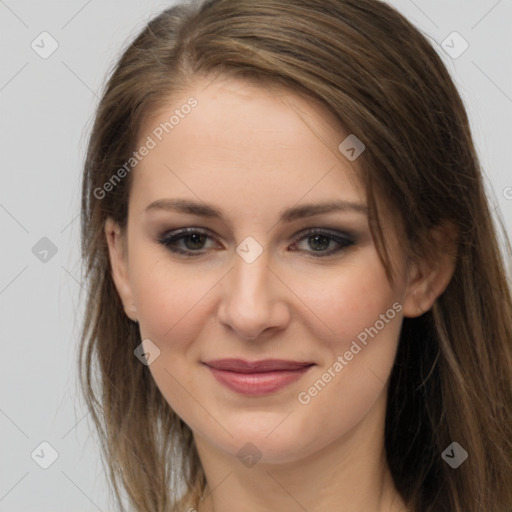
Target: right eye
[{"x": 192, "y": 241}]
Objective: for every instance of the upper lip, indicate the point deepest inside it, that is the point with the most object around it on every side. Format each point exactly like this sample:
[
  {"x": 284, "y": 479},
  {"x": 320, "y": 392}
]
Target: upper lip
[{"x": 265, "y": 365}]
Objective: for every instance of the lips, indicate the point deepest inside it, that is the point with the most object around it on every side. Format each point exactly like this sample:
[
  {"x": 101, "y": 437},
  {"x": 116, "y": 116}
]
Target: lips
[
  {"x": 257, "y": 378},
  {"x": 262, "y": 366}
]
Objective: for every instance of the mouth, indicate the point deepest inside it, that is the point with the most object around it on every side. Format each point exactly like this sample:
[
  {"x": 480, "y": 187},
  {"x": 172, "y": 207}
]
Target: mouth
[{"x": 257, "y": 377}]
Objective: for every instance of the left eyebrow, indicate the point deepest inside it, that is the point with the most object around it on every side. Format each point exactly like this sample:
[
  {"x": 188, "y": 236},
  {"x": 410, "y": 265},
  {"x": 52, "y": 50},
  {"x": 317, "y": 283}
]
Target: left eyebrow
[
  {"x": 308, "y": 210},
  {"x": 287, "y": 215}
]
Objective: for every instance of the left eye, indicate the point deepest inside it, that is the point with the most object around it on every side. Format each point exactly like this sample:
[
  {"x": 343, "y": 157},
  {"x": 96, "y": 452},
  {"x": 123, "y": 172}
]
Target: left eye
[
  {"x": 319, "y": 240},
  {"x": 193, "y": 240}
]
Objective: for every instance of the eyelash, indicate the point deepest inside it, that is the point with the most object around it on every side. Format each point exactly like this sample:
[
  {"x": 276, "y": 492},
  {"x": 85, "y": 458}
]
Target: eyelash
[{"x": 343, "y": 240}]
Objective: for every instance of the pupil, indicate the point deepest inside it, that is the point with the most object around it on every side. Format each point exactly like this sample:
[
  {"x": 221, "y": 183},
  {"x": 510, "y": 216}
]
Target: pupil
[
  {"x": 196, "y": 240},
  {"x": 321, "y": 237}
]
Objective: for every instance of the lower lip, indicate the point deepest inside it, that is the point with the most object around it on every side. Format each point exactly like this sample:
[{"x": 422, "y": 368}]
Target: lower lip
[{"x": 257, "y": 383}]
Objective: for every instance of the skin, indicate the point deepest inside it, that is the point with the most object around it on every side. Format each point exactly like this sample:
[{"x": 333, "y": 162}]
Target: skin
[{"x": 251, "y": 152}]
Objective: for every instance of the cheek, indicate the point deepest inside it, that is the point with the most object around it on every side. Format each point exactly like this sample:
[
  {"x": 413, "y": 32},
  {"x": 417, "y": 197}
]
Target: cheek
[
  {"x": 357, "y": 326},
  {"x": 170, "y": 302},
  {"x": 169, "y": 297},
  {"x": 348, "y": 300}
]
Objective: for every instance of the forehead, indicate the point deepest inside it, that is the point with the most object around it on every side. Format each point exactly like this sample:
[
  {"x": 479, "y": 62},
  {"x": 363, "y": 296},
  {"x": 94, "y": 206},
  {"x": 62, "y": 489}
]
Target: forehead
[{"x": 244, "y": 138}]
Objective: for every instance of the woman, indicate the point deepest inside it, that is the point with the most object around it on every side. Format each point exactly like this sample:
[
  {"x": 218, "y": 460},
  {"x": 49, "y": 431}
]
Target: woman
[{"x": 297, "y": 298}]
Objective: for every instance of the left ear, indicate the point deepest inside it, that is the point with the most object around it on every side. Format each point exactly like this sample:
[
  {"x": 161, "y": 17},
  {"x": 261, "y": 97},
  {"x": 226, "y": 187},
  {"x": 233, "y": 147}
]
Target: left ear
[{"x": 429, "y": 277}]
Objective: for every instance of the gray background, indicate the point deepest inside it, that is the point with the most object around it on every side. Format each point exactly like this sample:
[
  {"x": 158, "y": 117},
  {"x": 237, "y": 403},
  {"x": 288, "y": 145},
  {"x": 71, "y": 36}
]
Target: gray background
[{"x": 47, "y": 107}]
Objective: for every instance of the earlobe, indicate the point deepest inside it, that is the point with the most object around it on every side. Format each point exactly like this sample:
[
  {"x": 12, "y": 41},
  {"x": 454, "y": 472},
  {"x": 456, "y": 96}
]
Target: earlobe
[
  {"x": 118, "y": 261},
  {"x": 428, "y": 278}
]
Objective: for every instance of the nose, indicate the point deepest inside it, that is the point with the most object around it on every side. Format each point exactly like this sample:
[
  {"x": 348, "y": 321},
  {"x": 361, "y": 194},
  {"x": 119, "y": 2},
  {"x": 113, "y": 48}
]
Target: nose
[{"x": 253, "y": 299}]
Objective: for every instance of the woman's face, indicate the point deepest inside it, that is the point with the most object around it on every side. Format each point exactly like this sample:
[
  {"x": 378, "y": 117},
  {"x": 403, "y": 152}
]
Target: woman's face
[{"x": 262, "y": 276}]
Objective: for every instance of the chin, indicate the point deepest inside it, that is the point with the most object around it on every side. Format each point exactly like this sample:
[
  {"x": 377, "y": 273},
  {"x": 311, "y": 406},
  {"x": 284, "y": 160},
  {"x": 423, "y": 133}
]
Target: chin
[{"x": 263, "y": 441}]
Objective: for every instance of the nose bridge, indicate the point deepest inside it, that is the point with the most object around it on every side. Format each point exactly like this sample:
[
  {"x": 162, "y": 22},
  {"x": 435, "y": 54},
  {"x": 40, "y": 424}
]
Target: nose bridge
[
  {"x": 250, "y": 277},
  {"x": 249, "y": 303}
]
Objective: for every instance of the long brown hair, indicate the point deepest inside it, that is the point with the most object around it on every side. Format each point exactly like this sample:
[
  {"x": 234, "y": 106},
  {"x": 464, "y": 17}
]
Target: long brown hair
[{"x": 452, "y": 378}]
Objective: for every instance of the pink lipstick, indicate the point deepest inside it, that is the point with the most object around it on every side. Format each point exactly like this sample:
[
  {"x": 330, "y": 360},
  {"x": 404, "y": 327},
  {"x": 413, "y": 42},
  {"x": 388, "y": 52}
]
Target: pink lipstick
[{"x": 257, "y": 377}]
